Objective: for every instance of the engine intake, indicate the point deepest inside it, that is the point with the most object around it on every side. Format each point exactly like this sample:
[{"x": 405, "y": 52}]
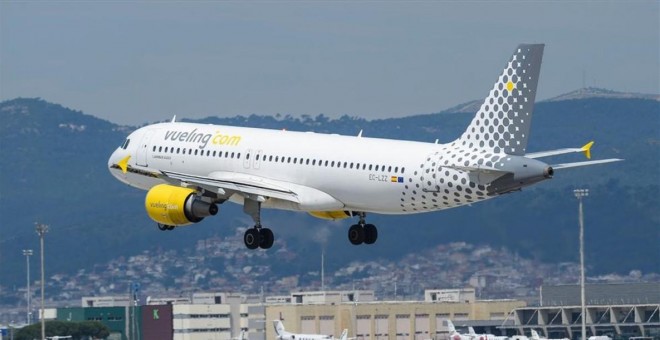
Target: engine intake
[{"x": 175, "y": 206}]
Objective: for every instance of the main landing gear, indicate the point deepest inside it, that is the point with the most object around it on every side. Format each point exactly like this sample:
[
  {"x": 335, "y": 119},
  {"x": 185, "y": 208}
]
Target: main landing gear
[
  {"x": 362, "y": 232},
  {"x": 257, "y": 236}
]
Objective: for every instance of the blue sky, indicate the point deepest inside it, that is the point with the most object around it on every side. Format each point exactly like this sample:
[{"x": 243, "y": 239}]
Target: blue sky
[{"x": 137, "y": 62}]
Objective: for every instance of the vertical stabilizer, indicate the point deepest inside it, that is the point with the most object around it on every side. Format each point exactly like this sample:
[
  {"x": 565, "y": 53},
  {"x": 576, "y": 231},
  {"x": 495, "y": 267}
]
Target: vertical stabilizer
[
  {"x": 503, "y": 121},
  {"x": 279, "y": 328},
  {"x": 450, "y": 327}
]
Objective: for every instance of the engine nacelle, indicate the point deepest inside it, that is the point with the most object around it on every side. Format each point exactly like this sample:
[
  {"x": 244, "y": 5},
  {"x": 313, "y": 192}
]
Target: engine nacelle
[{"x": 175, "y": 206}]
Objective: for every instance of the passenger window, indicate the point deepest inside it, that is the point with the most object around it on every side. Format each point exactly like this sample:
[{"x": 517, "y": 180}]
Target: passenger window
[
  {"x": 226, "y": 154},
  {"x": 160, "y": 149},
  {"x": 370, "y": 165},
  {"x": 288, "y": 160},
  {"x": 213, "y": 153},
  {"x": 313, "y": 161},
  {"x": 232, "y": 155},
  {"x": 154, "y": 148},
  {"x": 208, "y": 153},
  {"x": 307, "y": 162},
  {"x": 389, "y": 168},
  {"x": 257, "y": 156},
  {"x": 247, "y": 155},
  {"x": 196, "y": 152},
  {"x": 178, "y": 150},
  {"x": 396, "y": 169},
  {"x": 403, "y": 170},
  {"x": 345, "y": 165},
  {"x": 376, "y": 169},
  {"x": 270, "y": 158},
  {"x": 238, "y": 155},
  {"x": 277, "y": 159},
  {"x": 326, "y": 163}
]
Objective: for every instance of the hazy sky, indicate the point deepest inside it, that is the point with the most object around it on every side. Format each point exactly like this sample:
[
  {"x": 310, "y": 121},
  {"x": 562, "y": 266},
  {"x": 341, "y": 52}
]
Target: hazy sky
[{"x": 133, "y": 62}]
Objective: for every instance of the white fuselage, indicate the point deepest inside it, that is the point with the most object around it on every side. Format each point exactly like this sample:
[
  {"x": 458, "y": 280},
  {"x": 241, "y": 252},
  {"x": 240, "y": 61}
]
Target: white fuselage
[{"x": 339, "y": 172}]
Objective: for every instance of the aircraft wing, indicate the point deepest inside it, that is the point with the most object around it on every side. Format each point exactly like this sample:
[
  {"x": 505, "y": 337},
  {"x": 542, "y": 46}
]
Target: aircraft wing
[
  {"x": 586, "y": 149},
  {"x": 226, "y": 183},
  {"x": 223, "y": 183}
]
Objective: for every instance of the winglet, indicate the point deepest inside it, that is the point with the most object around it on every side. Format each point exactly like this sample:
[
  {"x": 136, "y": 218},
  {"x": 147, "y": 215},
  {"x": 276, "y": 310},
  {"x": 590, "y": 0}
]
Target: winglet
[
  {"x": 587, "y": 149},
  {"x": 123, "y": 164},
  {"x": 174, "y": 119}
]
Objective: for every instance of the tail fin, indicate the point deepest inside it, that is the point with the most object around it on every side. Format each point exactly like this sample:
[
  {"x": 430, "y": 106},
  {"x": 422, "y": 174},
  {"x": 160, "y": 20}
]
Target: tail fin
[
  {"x": 503, "y": 122},
  {"x": 471, "y": 331},
  {"x": 279, "y": 328},
  {"x": 535, "y": 335},
  {"x": 450, "y": 327},
  {"x": 344, "y": 335}
]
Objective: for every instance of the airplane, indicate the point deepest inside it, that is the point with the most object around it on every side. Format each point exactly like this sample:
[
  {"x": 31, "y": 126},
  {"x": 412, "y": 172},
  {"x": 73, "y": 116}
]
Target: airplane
[
  {"x": 189, "y": 169},
  {"x": 535, "y": 336},
  {"x": 454, "y": 334},
  {"x": 282, "y": 334},
  {"x": 476, "y": 336}
]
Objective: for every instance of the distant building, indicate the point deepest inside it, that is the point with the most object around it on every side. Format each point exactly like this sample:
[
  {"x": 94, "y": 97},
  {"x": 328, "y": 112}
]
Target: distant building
[
  {"x": 106, "y": 301},
  {"x": 465, "y": 295},
  {"x": 628, "y": 310}
]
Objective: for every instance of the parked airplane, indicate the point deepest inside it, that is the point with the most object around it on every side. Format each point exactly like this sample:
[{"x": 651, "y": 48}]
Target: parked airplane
[
  {"x": 535, "y": 336},
  {"x": 189, "y": 169},
  {"x": 474, "y": 336},
  {"x": 282, "y": 334},
  {"x": 454, "y": 334}
]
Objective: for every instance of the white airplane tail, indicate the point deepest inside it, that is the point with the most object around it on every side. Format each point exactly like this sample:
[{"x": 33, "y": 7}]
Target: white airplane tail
[
  {"x": 279, "y": 328},
  {"x": 344, "y": 335},
  {"x": 471, "y": 331},
  {"x": 503, "y": 121},
  {"x": 535, "y": 335},
  {"x": 450, "y": 327}
]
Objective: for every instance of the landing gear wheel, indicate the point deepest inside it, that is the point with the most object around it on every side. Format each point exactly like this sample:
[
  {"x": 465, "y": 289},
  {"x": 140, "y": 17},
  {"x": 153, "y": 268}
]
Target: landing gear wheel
[
  {"x": 370, "y": 234},
  {"x": 162, "y": 227},
  {"x": 252, "y": 238},
  {"x": 170, "y": 227},
  {"x": 356, "y": 234},
  {"x": 267, "y": 238}
]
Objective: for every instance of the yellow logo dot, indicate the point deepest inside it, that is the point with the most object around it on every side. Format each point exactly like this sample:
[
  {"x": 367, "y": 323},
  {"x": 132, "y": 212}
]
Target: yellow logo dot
[{"x": 509, "y": 86}]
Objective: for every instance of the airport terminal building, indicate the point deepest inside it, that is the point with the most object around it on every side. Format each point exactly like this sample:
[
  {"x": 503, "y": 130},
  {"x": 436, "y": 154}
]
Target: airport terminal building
[{"x": 619, "y": 311}]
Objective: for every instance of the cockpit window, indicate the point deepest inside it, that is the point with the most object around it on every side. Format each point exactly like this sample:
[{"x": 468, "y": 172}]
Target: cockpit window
[{"x": 125, "y": 145}]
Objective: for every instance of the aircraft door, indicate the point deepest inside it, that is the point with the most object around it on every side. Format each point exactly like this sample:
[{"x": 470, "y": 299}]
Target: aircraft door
[
  {"x": 143, "y": 148},
  {"x": 431, "y": 174},
  {"x": 257, "y": 160},
  {"x": 246, "y": 160}
]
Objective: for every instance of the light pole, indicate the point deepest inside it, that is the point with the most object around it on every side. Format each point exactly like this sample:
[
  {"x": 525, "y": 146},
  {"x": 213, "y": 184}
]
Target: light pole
[
  {"x": 579, "y": 194},
  {"x": 42, "y": 229},
  {"x": 28, "y": 253}
]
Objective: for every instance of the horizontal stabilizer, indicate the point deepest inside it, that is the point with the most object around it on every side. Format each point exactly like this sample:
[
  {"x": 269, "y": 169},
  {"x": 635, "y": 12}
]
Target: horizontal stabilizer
[
  {"x": 480, "y": 174},
  {"x": 586, "y": 149},
  {"x": 577, "y": 164}
]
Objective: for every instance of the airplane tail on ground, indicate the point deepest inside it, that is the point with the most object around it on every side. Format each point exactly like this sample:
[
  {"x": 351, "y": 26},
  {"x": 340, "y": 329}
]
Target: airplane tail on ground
[
  {"x": 471, "y": 331},
  {"x": 503, "y": 121},
  {"x": 279, "y": 328},
  {"x": 344, "y": 335},
  {"x": 535, "y": 335},
  {"x": 450, "y": 327}
]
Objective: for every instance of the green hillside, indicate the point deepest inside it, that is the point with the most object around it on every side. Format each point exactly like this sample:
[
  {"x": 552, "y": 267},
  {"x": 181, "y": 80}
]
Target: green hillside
[{"x": 53, "y": 170}]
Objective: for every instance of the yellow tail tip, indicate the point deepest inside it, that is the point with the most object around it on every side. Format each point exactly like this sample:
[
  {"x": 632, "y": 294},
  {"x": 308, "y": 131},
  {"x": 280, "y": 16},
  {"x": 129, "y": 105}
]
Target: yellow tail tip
[
  {"x": 123, "y": 164},
  {"x": 587, "y": 149}
]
